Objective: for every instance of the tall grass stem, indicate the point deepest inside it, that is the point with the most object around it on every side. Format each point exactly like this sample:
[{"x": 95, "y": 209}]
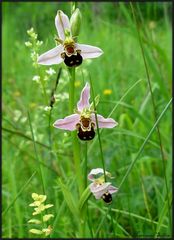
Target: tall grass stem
[
  {"x": 153, "y": 104},
  {"x": 36, "y": 154}
]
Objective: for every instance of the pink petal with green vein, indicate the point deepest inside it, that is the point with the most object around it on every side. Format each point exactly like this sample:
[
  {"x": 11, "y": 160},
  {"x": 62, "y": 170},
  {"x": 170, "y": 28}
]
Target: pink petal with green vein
[{"x": 68, "y": 123}]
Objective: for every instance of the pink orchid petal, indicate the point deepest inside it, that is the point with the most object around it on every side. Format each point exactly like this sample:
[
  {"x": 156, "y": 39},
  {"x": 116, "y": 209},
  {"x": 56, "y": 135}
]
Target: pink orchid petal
[
  {"x": 112, "y": 189},
  {"x": 103, "y": 122},
  {"x": 97, "y": 188},
  {"x": 88, "y": 51},
  {"x": 68, "y": 123},
  {"x": 62, "y": 23},
  {"x": 94, "y": 172},
  {"x": 84, "y": 98},
  {"x": 52, "y": 56}
]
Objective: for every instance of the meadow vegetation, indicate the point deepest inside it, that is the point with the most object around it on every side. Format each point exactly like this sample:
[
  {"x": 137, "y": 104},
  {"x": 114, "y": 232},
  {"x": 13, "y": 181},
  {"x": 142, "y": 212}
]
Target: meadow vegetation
[{"x": 32, "y": 147}]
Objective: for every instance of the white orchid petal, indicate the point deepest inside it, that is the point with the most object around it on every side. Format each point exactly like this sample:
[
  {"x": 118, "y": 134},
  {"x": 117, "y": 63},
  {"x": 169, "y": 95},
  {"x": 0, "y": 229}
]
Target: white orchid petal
[
  {"x": 62, "y": 23},
  {"x": 94, "y": 172},
  {"x": 68, "y": 123},
  {"x": 103, "y": 122},
  {"x": 88, "y": 51},
  {"x": 52, "y": 56},
  {"x": 84, "y": 98}
]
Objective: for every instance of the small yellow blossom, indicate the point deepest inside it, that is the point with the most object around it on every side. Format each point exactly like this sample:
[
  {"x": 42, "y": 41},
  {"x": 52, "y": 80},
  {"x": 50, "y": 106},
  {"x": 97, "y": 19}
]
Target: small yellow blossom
[
  {"x": 41, "y": 208},
  {"x": 152, "y": 25},
  {"x": 35, "y": 204},
  {"x": 48, "y": 206},
  {"x": 47, "y": 231},
  {"x": 47, "y": 108},
  {"x": 33, "y": 105},
  {"x": 50, "y": 71},
  {"x": 77, "y": 83},
  {"x": 37, "y": 197},
  {"x": 30, "y": 31},
  {"x": 47, "y": 217},
  {"x": 36, "y": 221},
  {"x": 39, "y": 43},
  {"x": 36, "y": 231},
  {"x": 17, "y": 94},
  {"x": 36, "y": 78},
  {"x": 107, "y": 92},
  {"x": 28, "y": 44}
]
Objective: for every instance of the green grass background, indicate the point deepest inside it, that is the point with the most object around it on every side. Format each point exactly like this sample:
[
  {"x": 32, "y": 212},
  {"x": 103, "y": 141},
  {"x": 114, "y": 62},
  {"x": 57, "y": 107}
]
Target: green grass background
[{"x": 111, "y": 27}]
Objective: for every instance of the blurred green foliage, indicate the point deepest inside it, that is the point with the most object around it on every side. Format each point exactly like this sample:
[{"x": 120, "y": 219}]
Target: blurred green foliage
[{"x": 110, "y": 26}]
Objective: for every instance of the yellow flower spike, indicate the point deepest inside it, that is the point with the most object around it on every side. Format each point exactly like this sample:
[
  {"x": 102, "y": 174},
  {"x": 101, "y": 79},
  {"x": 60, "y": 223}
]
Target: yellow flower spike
[
  {"x": 36, "y": 221},
  {"x": 47, "y": 217},
  {"x": 47, "y": 231},
  {"x": 36, "y": 231}
]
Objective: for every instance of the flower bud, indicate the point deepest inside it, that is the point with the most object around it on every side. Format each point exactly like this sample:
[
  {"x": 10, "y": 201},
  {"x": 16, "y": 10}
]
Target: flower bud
[{"x": 75, "y": 22}]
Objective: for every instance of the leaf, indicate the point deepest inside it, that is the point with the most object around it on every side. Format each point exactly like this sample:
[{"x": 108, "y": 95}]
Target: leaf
[
  {"x": 84, "y": 197},
  {"x": 69, "y": 199},
  {"x": 96, "y": 101}
]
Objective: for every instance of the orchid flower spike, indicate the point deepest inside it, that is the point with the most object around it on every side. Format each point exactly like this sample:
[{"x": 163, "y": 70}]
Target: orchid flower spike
[
  {"x": 99, "y": 187},
  {"x": 84, "y": 120},
  {"x": 68, "y": 50}
]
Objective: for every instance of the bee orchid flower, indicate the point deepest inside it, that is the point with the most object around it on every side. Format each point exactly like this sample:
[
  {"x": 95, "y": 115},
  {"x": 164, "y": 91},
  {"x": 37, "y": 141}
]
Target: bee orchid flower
[
  {"x": 68, "y": 50},
  {"x": 100, "y": 188},
  {"x": 84, "y": 120}
]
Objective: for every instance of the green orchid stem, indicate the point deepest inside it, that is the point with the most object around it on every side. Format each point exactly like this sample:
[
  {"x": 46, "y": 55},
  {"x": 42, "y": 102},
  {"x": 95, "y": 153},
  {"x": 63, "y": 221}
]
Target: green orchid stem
[
  {"x": 86, "y": 164},
  {"x": 84, "y": 211},
  {"x": 76, "y": 147},
  {"x": 98, "y": 132}
]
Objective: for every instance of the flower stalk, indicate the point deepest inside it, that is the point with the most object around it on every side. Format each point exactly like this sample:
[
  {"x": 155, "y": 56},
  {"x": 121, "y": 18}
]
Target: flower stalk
[
  {"x": 76, "y": 145},
  {"x": 98, "y": 132}
]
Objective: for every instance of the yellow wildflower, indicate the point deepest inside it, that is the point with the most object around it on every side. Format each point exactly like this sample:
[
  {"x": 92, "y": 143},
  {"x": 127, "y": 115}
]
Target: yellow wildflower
[
  {"x": 36, "y": 221},
  {"x": 77, "y": 83},
  {"x": 47, "y": 231},
  {"x": 36, "y": 231},
  {"x": 107, "y": 92},
  {"x": 47, "y": 217},
  {"x": 17, "y": 94}
]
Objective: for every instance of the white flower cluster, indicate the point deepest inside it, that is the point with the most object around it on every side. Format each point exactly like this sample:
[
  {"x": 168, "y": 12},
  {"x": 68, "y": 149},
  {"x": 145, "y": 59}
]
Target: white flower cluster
[
  {"x": 34, "y": 45},
  {"x": 61, "y": 96}
]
